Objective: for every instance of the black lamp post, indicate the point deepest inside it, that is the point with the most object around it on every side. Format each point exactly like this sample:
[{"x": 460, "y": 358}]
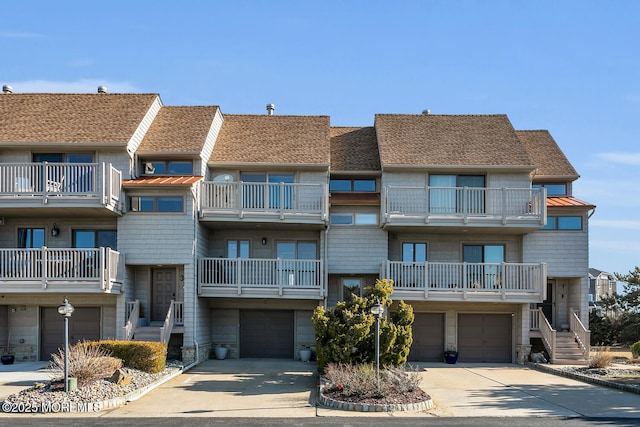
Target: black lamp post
[
  {"x": 377, "y": 310},
  {"x": 66, "y": 310}
]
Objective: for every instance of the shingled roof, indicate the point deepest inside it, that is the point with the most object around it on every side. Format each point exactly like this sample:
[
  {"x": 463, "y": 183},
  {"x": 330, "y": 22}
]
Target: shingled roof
[
  {"x": 545, "y": 153},
  {"x": 268, "y": 139},
  {"x": 449, "y": 140},
  {"x": 178, "y": 130},
  {"x": 354, "y": 149},
  {"x": 72, "y": 118}
]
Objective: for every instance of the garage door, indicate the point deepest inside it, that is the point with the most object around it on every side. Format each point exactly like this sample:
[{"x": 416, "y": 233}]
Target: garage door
[
  {"x": 266, "y": 334},
  {"x": 84, "y": 324},
  {"x": 428, "y": 338},
  {"x": 484, "y": 338}
]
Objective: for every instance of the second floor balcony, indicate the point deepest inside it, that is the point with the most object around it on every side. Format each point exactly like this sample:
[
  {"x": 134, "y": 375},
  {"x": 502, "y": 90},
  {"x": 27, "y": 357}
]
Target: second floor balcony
[
  {"x": 464, "y": 207},
  {"x": 297, "y": 203},
  {"x": 99, "y": 270},
  {"x": 60, "y": 186},
  {"x": 260, "y": 278},
  {"x": 463, "y": 281}
]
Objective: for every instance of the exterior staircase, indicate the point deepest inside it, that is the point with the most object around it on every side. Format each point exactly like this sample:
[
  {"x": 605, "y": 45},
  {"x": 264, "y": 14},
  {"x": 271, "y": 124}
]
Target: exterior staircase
[
  {"x": 156, "y": 331},
  {"x": 568, "y": 351}
]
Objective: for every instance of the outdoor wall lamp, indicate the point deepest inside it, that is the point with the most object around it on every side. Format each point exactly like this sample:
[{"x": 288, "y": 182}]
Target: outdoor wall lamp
[
  {"x": 264, "y": 240},
  {"x": 55, "y": 230}
]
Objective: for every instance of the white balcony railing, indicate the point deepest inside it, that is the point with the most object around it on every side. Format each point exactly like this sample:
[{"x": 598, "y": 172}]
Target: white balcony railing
[
  {"x": 102, "y": 268},
  {"x": 503, "y": 280},
  {"x": 430, "y": 203},
  {"x": 62, "y": 180},
  {"x": 279, "y": 199},
  {"x": 250, "y": 274}
]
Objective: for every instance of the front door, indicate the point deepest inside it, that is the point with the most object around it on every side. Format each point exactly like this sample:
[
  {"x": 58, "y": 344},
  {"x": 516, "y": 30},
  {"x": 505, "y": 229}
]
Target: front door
[
  {"x": 163, "y": 290},
  {"x": 547, "y": 305}
]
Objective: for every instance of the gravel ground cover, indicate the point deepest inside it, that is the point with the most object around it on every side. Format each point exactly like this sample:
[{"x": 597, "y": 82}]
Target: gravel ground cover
[{"x": 51, "y": 397}]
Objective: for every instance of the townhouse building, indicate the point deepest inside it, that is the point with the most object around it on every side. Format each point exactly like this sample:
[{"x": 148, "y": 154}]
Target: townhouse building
[{"x": 198, "y": 228}]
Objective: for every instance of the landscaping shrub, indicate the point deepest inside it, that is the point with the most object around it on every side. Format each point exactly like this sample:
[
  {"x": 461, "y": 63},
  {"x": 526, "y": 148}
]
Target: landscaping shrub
[
  {"x": 346, "y": 333},
  {"x": 600, "y": 359},
  {"x": 359, "y": 380},
  {"x": 635, "y": 350},
  {"x": 148, "y": 356},
  {"x": 86, "y": 363}
]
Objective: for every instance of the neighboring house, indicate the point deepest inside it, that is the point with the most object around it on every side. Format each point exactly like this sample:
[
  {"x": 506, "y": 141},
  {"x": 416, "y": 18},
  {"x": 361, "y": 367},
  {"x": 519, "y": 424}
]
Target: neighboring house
[
  {"x": 198, "y": 228},
  {"x": 601, "y": 284}
]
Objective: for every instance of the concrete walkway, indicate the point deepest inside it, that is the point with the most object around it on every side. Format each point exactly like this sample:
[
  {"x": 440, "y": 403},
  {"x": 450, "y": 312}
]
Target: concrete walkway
[{"x": 287, "y": 389}]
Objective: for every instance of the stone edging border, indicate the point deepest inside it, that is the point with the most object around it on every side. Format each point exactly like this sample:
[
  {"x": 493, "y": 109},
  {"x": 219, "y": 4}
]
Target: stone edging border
[
  {"x": 584, "y": 378},
  {"x": 366, "y": 407}
]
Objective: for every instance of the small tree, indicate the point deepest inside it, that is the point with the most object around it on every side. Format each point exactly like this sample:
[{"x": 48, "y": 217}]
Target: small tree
[{"x": 346, "y": 334}]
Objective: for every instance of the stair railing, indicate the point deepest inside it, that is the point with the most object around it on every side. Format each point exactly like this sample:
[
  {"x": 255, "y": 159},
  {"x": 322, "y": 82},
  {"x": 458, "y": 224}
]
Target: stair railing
[
  {"x": 582, "y": 334},
  {"x": 548, "y": 335},
  {"x": 132, "y": 315},
  {"x": 165, "y": 330}
]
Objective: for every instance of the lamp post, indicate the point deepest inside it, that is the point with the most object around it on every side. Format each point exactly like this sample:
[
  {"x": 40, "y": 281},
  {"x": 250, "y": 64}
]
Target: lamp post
[
  {"x": 66, "y": 310},
  {"x": 377, "y": 310}
]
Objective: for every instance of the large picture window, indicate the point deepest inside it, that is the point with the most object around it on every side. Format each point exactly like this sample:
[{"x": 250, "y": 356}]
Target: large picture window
[
  {"x": 89, "y": 239},
  {"x": 30, "y": 238},
  {"x": 446, "y": 195}
]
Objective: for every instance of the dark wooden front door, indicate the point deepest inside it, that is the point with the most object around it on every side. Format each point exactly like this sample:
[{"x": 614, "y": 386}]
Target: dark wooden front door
[{"x": 163, "y": 290}]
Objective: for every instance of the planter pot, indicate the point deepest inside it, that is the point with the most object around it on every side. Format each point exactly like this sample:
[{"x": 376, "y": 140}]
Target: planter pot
[
  {"x": 305, "y": 354},
  {"x": 8, "y": 359},
  {"x": 451, "y": 357},
  {"x": 221, "y": 352}
]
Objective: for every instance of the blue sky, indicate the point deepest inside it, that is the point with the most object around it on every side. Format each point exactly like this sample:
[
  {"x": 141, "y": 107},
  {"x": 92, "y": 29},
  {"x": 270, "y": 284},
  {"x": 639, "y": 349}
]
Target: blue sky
[{"x": 572, "y": 67}]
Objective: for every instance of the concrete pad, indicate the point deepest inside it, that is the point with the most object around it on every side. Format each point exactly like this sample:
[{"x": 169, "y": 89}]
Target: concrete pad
[
  {"x": 20, "y": 375},
  {"x": 232, "y": 388}
]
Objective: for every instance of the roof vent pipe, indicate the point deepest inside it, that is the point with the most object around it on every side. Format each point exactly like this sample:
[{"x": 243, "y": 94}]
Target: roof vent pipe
[
  {"x": 426, "y": 112},
  {"x": 7, "y": 89},
  {"x": 102, "y": 89},
  {"x": 270, "y": 108}
]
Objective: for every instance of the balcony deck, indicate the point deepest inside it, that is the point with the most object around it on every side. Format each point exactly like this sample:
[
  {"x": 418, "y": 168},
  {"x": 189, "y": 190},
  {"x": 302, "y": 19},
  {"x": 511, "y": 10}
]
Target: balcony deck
[
  {"x": 263, "y": 202},
  {"x": 48, "y": 270},
  {"x": 520, "y": 208},
  {"x": 59, "y": 188},
  {"x": 260, "y": 278},
  {"x": 474, "y": 282}
]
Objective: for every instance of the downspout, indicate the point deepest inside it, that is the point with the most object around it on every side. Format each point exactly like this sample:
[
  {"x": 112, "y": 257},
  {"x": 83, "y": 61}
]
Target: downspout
[
  {"x": 591, "y": 214},
  {"x": 326, "y": 263},
  {"x": 195, "y": 290}
]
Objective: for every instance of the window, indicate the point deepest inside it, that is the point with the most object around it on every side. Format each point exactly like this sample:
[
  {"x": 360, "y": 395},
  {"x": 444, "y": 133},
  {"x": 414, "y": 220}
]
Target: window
[
  {"x": 414, "y": 252},
  {"x": 62, "y": 158},
  {"x": 351, "y": 286},
  {"x": 238, "y": 249},
  {"x": 94, "y": 239},
  {"x": 353, "y": 185},
  {"x": 156, "y": 204},
  {"x": 571, "y": 223},
  {"x": 485, "y": 269},
  {"x": 354, "y": 218},
  {"x": 168, "y": 167},
  {"x": 265, "y": 194},
  {"x": 30, "y": 237},
  {"x": 553, "y": 189},
  {"x": 445, "y": 198}
]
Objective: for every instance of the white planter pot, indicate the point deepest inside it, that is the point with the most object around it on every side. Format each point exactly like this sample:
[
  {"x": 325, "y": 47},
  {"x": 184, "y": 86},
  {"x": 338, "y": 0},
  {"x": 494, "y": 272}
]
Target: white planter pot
[
  {"x": 221, "y": 352},
  {"x": 305, "y": 355}
]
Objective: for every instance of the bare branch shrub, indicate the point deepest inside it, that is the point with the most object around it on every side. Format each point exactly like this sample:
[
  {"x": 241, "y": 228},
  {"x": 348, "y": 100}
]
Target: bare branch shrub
[
  {"x": 86, "y": 363},
  {"x": 360, "y": 379}
]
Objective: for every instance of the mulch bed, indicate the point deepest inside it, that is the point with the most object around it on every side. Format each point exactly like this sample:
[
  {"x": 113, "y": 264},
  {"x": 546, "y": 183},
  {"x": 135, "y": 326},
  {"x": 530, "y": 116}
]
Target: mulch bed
[{"x": 415, "y": 396}]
